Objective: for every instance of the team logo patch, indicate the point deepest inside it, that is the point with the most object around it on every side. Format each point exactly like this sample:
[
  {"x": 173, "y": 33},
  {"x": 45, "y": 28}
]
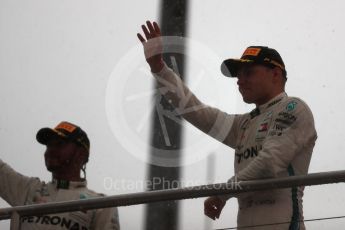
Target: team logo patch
[{"x": 291, "y": 106}]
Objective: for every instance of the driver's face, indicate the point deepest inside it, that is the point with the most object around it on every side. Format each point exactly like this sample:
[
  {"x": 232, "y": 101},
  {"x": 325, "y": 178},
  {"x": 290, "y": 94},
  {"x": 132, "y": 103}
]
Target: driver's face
[
  {"x": 254, "y": 83},
  {"x": 59, "y": 154}
]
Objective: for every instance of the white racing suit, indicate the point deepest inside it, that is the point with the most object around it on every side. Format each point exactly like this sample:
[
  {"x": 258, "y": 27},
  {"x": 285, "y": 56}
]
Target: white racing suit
[
  {"x": 18, "y": 190},
  {"x": 274, "y": 140}
]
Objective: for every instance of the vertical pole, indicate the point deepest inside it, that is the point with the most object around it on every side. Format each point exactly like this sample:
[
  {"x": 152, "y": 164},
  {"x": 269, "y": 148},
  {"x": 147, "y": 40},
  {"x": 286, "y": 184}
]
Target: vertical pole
[
  {"x": 210, "y": 174},
  {"x": 164, "y": 215},
  {"x": 15, "y": 221}
]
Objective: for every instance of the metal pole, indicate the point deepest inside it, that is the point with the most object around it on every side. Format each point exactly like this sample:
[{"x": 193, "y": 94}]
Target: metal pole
[
  {"x": 166, "y": 133},
  {"x": 15, "y": 221},
  {"x": 211, "y": 162},
  {"x": 176, "y": 194}
]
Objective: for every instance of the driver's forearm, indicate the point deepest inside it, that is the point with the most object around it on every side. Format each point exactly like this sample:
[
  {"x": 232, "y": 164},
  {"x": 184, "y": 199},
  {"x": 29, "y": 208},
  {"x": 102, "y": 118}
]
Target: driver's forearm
[{"x": 208, "y": 119}]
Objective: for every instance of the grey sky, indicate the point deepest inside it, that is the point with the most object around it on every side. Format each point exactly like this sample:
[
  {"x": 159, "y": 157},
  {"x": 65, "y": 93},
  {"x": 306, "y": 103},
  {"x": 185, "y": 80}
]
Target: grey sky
[{"x": 57, "y": 62}]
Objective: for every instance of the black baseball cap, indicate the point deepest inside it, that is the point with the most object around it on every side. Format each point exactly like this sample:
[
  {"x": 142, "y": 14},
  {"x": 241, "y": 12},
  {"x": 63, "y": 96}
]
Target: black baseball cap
[
  {"x": 262, "y": 55},
  {"x": 65, "y": 130}
]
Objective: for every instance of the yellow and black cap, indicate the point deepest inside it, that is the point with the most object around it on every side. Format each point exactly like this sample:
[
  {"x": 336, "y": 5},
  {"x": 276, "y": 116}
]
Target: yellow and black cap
[
  {"x": 262, "y": 55},
  {"x": 66, "y": 131}
]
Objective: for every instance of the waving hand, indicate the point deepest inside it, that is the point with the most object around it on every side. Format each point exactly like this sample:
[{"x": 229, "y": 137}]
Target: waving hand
[{"x": 153, "y": 45}]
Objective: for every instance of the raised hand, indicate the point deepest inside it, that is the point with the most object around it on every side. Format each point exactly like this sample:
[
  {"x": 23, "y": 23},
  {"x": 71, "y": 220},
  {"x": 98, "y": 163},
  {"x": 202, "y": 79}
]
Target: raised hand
[
  {"x": 213, "y": 207},
  {"x": 153, "y": 45}
]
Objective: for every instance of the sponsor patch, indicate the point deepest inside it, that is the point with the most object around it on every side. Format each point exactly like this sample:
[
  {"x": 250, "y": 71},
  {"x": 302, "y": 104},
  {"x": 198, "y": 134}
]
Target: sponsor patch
[
  {"x": 291, "y": 106},
  {"x": 279, "y": 127},
  {"x": 252, "y": 52},
  {"x": 53, "y": 221},
  {"x": 248, "y": 153},
  {"x": 68, "y": 127},
  {"x": 286, "y": 118},
  {"x": 274, "y": 102},
  {"x": 263, "y": 127}
]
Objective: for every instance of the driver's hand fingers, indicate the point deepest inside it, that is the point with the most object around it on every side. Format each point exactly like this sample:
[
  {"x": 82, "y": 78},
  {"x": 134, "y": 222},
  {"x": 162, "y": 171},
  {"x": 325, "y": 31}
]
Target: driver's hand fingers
[
  {"x": 142, "y": 40},
  {"x": 157, "y": 29},
  {"x": 150, "y": 27},
  {"x": 146, "y": 32}
]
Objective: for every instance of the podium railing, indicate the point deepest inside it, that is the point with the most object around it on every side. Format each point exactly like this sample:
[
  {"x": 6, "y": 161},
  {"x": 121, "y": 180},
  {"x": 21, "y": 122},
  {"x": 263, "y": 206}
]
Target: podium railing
[{"x": 233, "y": 188}]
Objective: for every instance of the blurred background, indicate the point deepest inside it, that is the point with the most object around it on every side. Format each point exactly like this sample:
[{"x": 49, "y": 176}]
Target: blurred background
[{"x": 81, "y": 61}]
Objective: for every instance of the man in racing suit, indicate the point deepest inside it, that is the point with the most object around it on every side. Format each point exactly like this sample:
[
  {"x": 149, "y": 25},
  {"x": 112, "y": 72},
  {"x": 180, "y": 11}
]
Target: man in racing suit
[
  {"x": 276, "y": 139},
  {"x": 66, "y": 155}
]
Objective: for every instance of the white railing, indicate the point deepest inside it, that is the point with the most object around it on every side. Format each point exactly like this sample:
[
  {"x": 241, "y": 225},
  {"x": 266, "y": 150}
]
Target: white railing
[{"x": 14, "y": 213}]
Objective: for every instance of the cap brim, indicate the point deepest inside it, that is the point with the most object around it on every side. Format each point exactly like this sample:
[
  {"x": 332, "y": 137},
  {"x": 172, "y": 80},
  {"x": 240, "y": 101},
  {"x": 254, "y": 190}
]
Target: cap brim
[
  {"x": 44, "y": 135},
  {"x": 230, "y": 67}
]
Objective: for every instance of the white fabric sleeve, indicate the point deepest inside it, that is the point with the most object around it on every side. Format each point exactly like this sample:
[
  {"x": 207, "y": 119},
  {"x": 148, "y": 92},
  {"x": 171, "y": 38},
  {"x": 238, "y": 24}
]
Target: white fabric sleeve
[
  {"x": 210, "y": 120},
  {"x": 14, "y": 187},
  {"x": 296, "y": 132}
]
